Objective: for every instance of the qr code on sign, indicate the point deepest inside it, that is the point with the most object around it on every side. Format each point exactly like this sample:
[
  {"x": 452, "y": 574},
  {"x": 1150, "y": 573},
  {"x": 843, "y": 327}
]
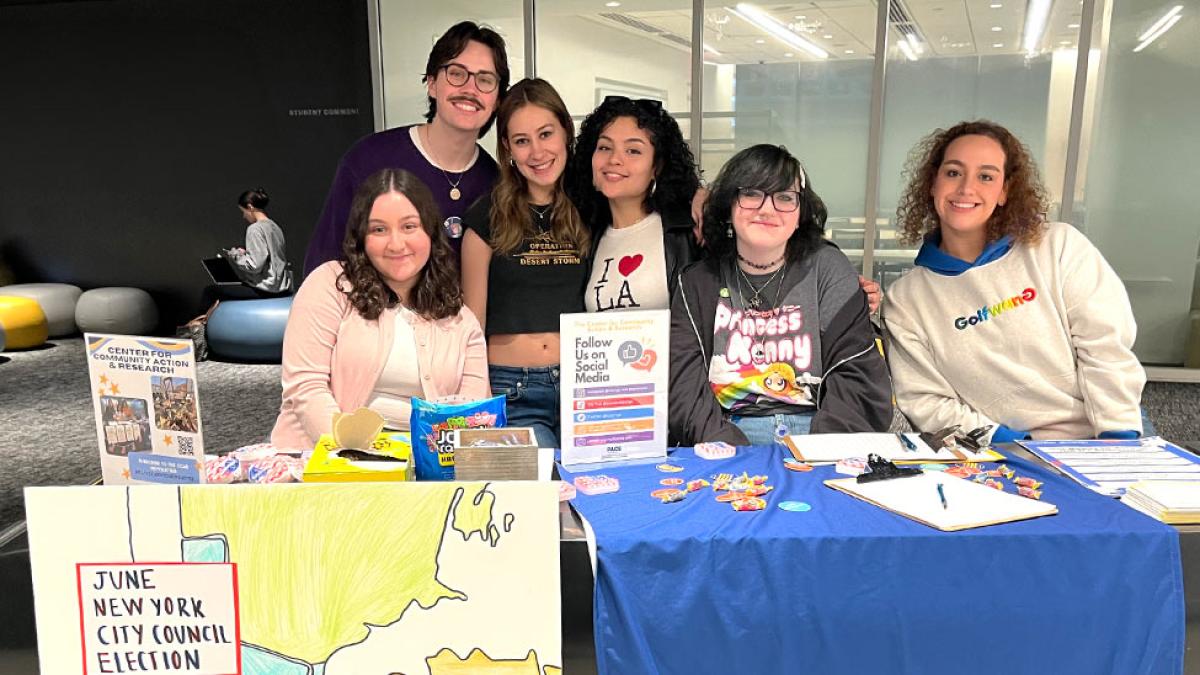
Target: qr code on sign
[{"x": 185, "y": 446}]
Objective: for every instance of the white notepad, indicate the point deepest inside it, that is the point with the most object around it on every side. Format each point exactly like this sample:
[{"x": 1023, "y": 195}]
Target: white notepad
[
  {"x": 819, "y": 448},
  {"x": 968, "y": 504}
]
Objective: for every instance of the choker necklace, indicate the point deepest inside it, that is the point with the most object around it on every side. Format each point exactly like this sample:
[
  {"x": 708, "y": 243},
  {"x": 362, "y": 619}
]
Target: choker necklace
[
  {"x": 763, "y": 267},
  {"x": 455, "y": 193},
  {"x": 541, "y": 214},
  {"x": 755, "y": 299}
]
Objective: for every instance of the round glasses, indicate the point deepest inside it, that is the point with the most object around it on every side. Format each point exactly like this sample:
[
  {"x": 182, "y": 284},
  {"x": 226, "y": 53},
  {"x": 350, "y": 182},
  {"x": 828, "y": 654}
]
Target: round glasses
[
  {"x": 485, "y": 80},
  {"x": 785, "y": 201}
]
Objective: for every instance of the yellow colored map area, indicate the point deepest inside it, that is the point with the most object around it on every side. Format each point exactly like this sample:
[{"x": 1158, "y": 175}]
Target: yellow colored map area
[
  {"x": 314, "y": 567},
  {"x": 446, "y": 662}
]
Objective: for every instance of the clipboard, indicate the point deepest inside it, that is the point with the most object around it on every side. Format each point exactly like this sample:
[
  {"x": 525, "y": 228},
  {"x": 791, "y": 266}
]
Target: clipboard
[{"x": 969, "y": 504}]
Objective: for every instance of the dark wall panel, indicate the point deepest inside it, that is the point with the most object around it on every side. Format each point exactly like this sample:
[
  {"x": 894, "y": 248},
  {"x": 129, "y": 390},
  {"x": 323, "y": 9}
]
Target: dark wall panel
[{"x": 129, "y": 127}]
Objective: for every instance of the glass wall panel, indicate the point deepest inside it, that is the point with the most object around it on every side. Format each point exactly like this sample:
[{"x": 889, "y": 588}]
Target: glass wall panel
[
  {"x": 589, "y": 49},
  {"x": 797, "y": 75},
  {"x": 408, "y": 31},
  {"x": 955, "y": 61},
  {"x": 1142, "y": 170}
]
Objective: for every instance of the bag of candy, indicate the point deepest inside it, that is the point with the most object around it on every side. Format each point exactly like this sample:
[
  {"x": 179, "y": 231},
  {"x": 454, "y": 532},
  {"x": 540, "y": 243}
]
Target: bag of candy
[{"x": 431, "y": 423}]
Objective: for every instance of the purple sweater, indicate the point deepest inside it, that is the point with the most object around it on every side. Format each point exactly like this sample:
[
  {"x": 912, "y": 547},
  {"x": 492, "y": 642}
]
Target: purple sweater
[{"x": 394, "y": 148}]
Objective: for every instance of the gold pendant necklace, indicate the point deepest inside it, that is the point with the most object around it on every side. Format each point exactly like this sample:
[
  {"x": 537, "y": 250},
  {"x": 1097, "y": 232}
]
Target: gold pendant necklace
[{"x": 455, "y": 193}]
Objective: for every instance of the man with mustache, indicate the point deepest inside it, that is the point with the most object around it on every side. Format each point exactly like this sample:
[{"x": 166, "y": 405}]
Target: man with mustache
[{"x": 465, "y": 77}]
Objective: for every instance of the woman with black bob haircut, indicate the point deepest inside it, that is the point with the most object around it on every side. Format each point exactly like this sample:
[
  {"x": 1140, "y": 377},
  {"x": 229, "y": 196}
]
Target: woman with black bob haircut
[
  {"x": 770, "y": 333},
  {"x": 383, "y": 324},
  {"x": 632, "y": 178}
]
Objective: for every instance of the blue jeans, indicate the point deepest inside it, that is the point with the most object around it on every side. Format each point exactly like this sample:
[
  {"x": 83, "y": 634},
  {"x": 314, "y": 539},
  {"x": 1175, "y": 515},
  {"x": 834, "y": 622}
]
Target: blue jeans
[
  {"x": 761, "y": 429},
  {"x": 531, "y": 399}
]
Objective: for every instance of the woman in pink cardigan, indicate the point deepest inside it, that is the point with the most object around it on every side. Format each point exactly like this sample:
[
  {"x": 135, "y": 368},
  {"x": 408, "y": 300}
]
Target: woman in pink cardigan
[{"x": 385, "y": 323}]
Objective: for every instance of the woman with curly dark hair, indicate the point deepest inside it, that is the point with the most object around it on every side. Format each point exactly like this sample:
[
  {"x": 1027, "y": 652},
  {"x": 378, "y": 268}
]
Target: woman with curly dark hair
[
  {"x": 383, "y": 324},
  {"x": 772, "y": 329},
  {"x": 1007, "y": 321},
  {"x": 632, "y": 178}
]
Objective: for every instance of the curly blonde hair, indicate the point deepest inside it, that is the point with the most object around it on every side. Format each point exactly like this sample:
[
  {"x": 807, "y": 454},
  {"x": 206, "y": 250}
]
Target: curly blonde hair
[{"x": 1023, "y": 214}]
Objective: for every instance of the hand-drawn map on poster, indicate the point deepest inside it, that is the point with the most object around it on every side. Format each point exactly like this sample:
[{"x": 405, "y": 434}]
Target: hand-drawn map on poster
[{"x": 375, "y": 579}]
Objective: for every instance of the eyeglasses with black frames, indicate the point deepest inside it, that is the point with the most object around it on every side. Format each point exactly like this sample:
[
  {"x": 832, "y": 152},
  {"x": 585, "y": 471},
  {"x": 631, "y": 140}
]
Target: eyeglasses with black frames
[{"x": 785, "y": 201}]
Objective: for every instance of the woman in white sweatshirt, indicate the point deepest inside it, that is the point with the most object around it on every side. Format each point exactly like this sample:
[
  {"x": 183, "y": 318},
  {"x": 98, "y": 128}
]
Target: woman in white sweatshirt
[{"x": 1006, "y": 320}]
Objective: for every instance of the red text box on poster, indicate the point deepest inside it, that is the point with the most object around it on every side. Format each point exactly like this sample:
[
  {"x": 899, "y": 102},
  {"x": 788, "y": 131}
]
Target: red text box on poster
[{"x": 159, "y": 618}]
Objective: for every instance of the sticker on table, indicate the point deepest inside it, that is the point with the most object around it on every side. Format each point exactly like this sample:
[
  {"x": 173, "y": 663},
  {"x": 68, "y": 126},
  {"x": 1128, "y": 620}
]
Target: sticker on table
[
  {"x": 669, "y": 468},
  {"x": 799, "y": 507},
  {"x": 671, "y": 482},
  {"x": 795, "y": 465}
]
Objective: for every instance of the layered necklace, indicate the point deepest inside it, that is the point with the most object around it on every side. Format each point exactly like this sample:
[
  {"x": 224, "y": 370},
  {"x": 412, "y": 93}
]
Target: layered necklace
[
  {"x": 455, "y": 193},
  {"x": 755, "y": 300}
]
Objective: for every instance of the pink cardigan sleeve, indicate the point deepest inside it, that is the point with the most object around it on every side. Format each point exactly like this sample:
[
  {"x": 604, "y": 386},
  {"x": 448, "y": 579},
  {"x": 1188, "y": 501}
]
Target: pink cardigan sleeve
[
  {"x": 474, "y": 384},
  {"x": 312, "y": 332}
]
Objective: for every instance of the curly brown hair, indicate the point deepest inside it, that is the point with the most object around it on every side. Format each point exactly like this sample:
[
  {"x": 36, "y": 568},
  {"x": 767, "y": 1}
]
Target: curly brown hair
[
  {"x": 437, "y": 293},
  {"x": 1024, "y": 211}
]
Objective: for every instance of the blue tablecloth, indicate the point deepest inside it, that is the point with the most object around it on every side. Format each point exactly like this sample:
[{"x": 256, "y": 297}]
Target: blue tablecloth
[{"x": 695, "y": 587}]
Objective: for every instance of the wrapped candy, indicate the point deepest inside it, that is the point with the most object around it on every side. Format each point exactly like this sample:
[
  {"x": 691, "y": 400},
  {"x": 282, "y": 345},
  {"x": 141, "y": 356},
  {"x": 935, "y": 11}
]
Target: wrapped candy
[
  {"x": 757, "y": 490},
  {"x": 596, "y": 485},
  {"x": 1029, "y": 492},
  {"x": 670, "y": 496},
  {"x": 276, "y": 469},
  {"x": 694, "y": 485},
  {"x": 566, "y": 491},
  {"x": 716, "y": 450},
  {"x": 223, "y": 470},
  {"x": 749, "y": 504},
  {"x": 1023, "y": 481}
]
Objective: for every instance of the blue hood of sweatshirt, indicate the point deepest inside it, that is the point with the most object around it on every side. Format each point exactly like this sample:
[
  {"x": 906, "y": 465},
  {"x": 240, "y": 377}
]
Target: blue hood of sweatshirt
[{"x": 936, "y": 260}]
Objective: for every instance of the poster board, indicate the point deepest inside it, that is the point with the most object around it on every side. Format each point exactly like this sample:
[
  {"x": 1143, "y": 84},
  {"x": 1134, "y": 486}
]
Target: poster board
[
  {"x": 283, "y": 579},
  {"x": 614, "y": 385},
  {"x": 147, "y": 409}
]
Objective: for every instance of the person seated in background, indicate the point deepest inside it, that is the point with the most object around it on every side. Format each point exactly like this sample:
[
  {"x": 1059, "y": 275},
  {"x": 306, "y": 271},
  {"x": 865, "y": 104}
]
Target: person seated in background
[
  {"x": 524, "y": 256},
  {"x": 384, "y": 323},
  {"x": 1007, "y": 320},
  {"x": 262, "y": 264},
  {"x": 632, "y": 177},
  {"x": 772, "y": 330}
]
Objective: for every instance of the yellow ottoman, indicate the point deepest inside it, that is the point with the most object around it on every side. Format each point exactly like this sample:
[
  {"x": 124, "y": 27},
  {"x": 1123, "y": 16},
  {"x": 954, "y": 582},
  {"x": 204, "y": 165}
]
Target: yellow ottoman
[{"x": 23, "y": 321}]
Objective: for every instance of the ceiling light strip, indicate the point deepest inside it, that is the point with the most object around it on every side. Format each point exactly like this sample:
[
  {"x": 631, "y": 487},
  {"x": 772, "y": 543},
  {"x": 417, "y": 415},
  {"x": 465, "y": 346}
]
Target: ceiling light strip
[{"x": 757, "y": 17}]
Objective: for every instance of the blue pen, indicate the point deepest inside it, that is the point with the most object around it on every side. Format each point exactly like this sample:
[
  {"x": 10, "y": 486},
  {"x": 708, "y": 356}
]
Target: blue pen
[
  {"x": 942, "y": 495},
  {"x": 906, "y": 442}
]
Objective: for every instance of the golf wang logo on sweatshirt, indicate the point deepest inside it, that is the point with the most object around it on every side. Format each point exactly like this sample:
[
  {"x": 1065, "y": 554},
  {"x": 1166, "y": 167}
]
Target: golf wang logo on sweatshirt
[{"x": 988, "y": 311}]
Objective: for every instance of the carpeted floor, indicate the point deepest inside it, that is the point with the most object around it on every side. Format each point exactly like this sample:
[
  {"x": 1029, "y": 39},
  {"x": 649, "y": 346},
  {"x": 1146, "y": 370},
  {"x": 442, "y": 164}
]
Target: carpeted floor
[{"x": 48, "y": 431}]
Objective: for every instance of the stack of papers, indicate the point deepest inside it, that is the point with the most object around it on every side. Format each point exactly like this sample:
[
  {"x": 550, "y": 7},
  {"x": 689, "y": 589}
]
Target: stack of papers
[
  {"x": 818, "y": 448},
  {"x": 1109, "y": 466},
  {"x": 1174, "y": 502}
]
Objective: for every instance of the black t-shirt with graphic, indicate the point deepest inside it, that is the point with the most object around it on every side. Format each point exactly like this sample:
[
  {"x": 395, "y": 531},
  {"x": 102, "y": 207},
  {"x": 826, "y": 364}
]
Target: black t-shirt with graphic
[{"x": 529, "y": 288}]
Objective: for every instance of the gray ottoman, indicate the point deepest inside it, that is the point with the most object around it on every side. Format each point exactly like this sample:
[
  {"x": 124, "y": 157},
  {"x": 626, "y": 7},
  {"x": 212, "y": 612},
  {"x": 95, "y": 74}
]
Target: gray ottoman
[
  {"x": 120, "y": 310},
  {"x": 57, "y": 301}
]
